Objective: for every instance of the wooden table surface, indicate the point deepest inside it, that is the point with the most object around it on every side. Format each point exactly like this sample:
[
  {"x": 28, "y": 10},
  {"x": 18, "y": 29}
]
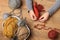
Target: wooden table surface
[{"x": 36, "y": 34}]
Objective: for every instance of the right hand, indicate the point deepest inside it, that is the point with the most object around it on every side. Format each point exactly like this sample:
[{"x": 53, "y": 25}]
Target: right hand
[{"x": 32, "y": 15}]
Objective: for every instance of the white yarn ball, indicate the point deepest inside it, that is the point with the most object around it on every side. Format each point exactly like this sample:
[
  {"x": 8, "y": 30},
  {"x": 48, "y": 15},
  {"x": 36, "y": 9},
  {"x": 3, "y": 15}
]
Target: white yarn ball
[{"x": 6, "y": 15}]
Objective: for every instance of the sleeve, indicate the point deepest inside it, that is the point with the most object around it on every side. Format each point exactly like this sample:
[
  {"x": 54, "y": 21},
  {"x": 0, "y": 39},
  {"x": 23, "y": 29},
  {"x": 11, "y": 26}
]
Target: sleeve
[
  {"x": 54, "y": 7},
  {"x": 29, "y": 4}
]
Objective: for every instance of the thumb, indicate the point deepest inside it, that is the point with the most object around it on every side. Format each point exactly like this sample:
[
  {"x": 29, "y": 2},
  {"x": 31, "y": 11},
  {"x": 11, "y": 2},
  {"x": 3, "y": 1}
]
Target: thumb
[
  {"x": 34, "y": 16},
  {"x": 41, "y": 18}
]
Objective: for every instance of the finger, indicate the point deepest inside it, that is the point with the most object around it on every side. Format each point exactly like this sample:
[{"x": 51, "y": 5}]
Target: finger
[
  {"x": 34, "y": 17},
  {"x": 30, "y": 16},
  {"x": 43, "y": 20}
]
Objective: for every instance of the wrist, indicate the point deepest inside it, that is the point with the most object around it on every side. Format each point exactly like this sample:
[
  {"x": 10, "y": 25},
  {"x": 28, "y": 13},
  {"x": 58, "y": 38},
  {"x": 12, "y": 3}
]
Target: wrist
[{"x": 47, "y": 13}]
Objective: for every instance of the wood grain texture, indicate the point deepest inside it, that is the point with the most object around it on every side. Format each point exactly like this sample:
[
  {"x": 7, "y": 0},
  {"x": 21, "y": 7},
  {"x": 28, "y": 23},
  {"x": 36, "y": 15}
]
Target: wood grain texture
[{"x": 36, "y": 34}]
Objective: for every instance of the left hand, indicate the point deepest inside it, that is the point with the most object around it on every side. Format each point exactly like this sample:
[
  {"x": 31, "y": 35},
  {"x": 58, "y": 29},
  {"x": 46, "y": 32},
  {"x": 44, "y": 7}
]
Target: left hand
[{"x": 44, "y": 17}]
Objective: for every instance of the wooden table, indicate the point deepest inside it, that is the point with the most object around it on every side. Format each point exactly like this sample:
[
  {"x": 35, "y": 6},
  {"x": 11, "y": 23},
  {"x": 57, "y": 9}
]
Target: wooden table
[{"x": 53, "y": 22}]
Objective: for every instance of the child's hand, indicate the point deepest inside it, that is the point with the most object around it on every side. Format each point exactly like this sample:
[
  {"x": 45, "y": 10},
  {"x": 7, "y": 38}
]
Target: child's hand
[
  {"x": 44, "y": 17},
  {"x": 32, "y": 15}
]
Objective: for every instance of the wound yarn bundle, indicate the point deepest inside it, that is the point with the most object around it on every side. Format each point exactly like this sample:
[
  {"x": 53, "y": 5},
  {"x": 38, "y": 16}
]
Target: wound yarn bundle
[{"x": 10, "y": 27}]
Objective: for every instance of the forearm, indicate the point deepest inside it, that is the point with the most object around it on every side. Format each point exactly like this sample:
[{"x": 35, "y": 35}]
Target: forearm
[
  {"x": 29, "y": 4},
  {"x": 54, "y": 8}
]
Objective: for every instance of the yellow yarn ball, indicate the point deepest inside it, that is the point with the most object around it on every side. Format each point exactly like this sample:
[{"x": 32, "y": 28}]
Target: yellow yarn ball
[{"x": 10, "y": 27}]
